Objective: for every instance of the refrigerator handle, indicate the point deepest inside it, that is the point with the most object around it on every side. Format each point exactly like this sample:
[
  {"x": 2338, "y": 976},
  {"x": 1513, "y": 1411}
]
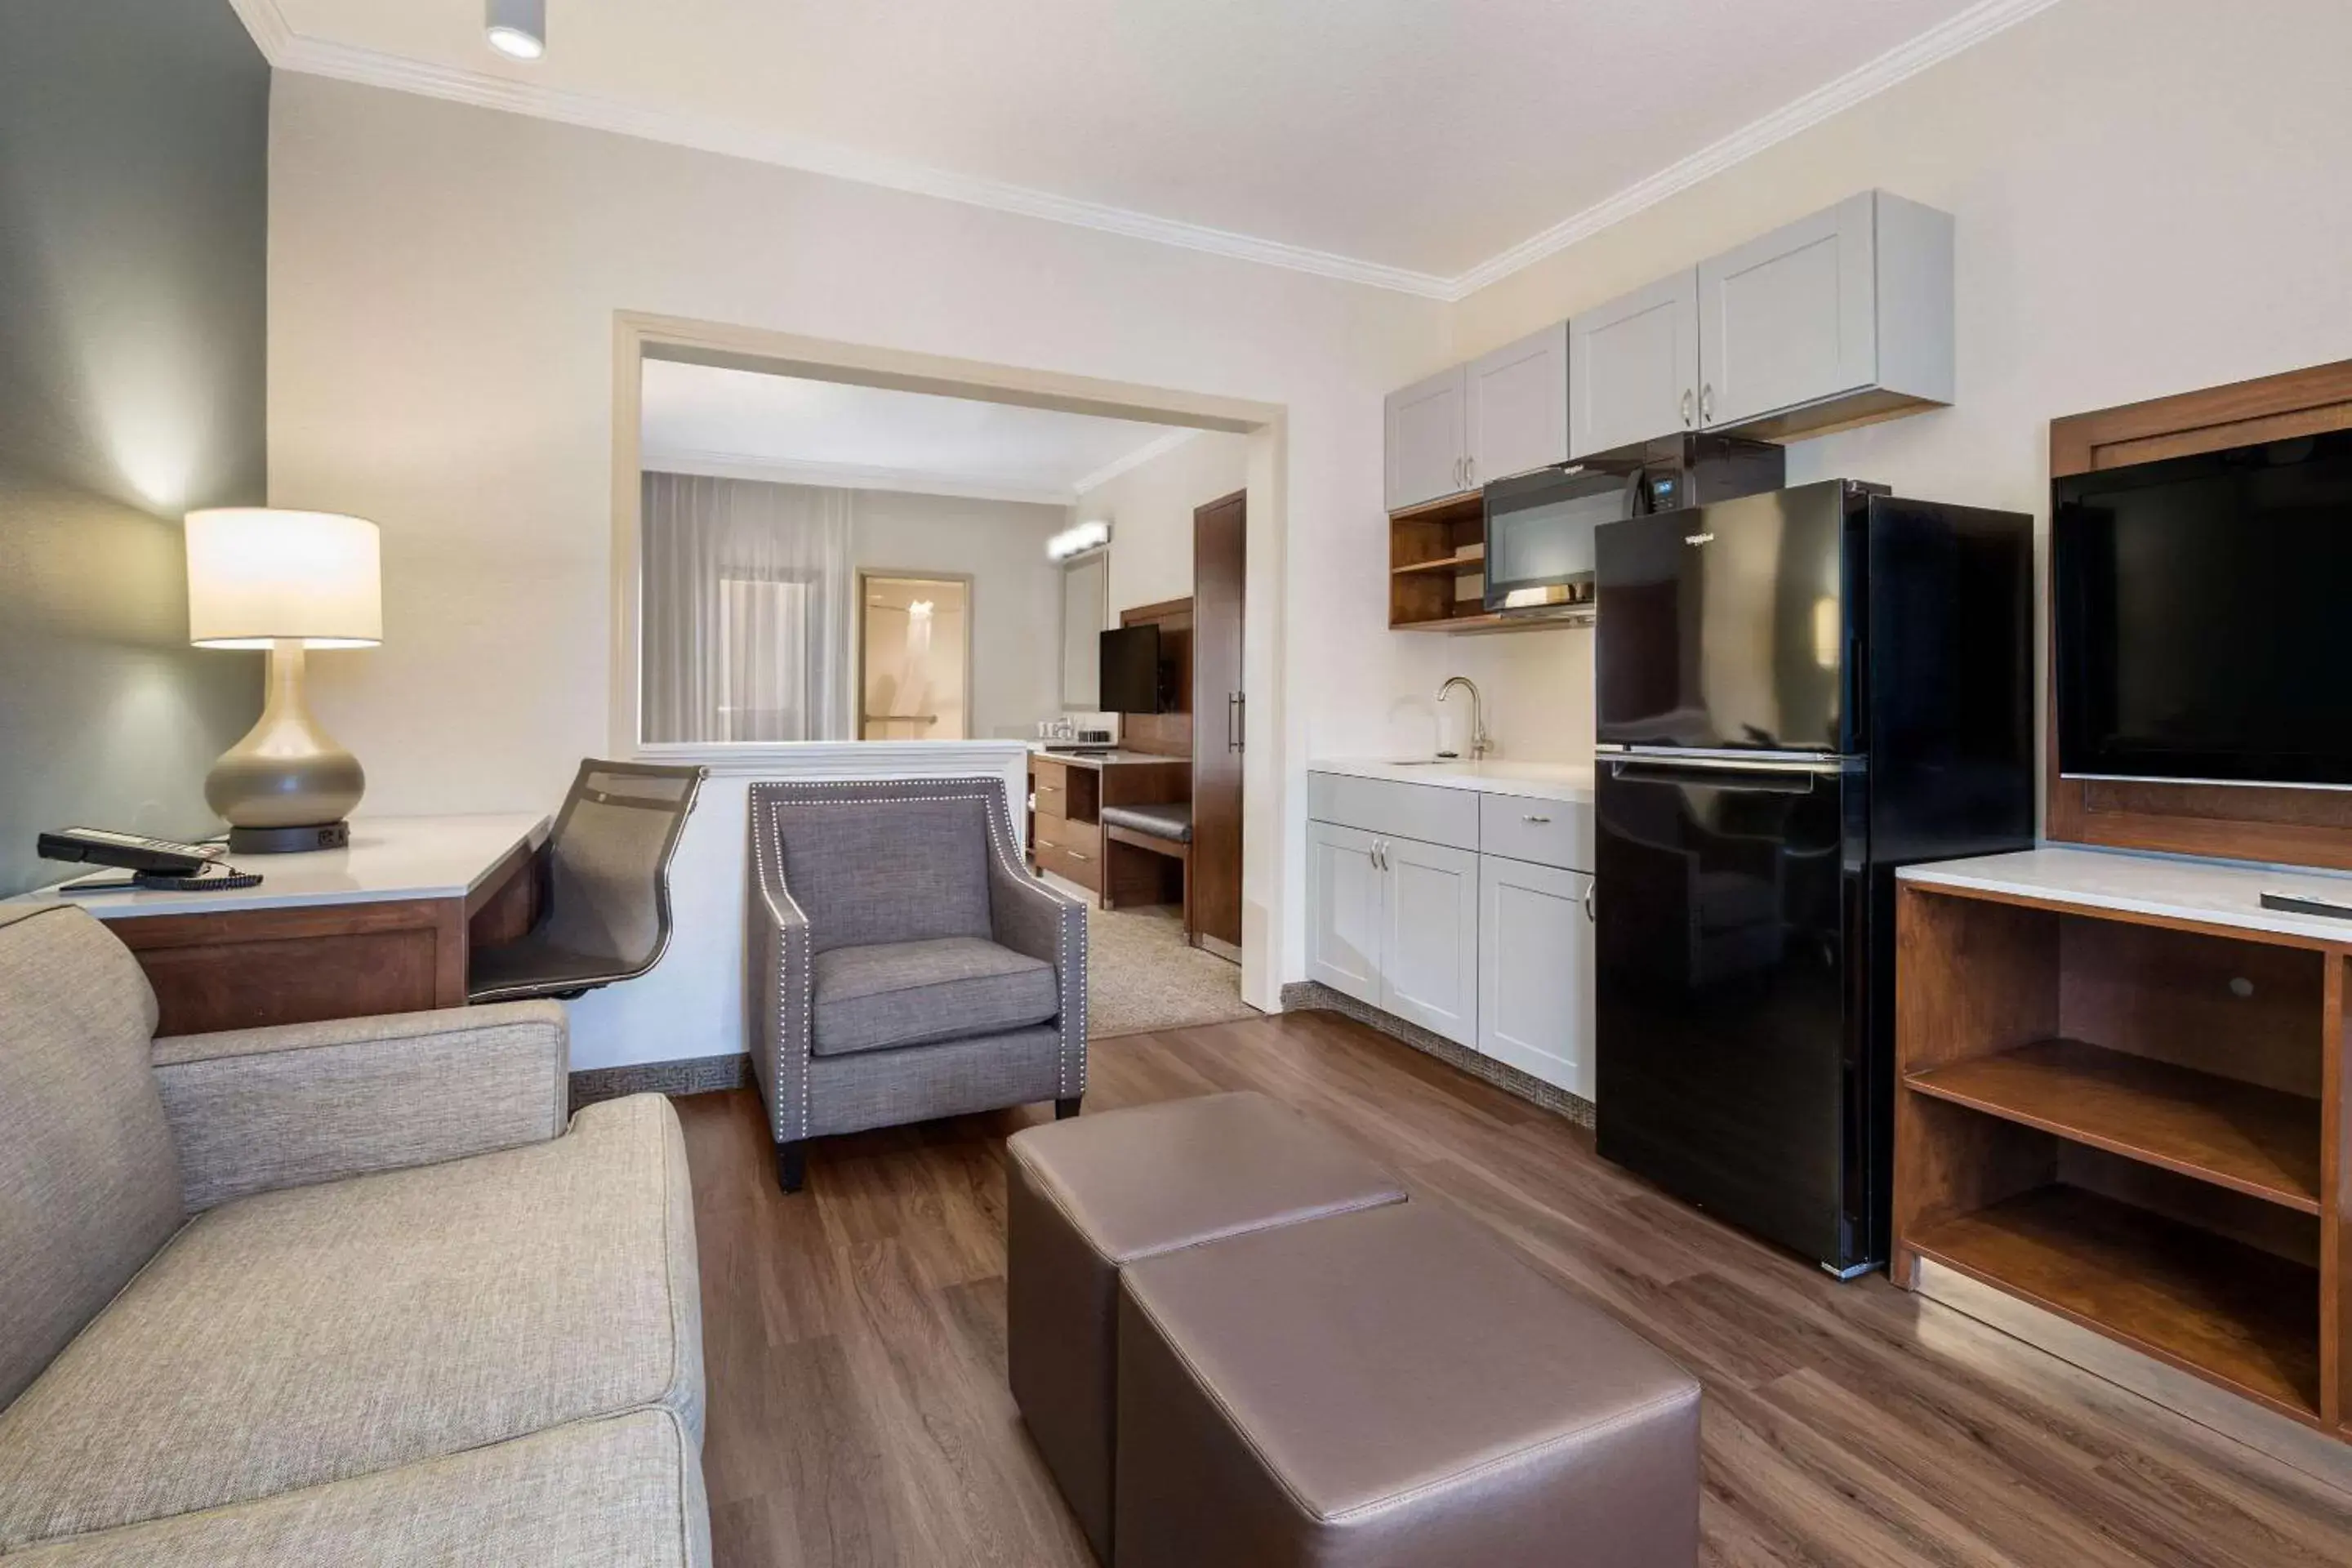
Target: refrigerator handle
[{"x": 1772, "y": 778}]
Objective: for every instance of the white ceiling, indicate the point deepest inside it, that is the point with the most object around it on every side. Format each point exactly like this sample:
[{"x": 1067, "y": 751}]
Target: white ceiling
[
  {"x": 1426, "y": 145},
  {"x": 756, "y": 425}
]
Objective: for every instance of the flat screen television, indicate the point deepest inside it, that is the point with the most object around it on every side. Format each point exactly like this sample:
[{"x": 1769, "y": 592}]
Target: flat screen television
[
  {"x": 1130, "y": 671},
  {"x": 2202, "y": 615}
]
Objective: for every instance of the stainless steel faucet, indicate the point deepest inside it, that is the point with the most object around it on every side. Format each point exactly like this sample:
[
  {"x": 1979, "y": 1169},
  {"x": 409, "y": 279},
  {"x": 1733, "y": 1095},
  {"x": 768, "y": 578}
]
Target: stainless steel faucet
[{"x": 1479, "y": 745}]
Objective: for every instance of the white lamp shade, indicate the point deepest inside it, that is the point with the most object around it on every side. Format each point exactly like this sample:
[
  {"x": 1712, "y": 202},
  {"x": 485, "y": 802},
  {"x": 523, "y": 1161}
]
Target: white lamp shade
[{"x": 257, "y": 575}]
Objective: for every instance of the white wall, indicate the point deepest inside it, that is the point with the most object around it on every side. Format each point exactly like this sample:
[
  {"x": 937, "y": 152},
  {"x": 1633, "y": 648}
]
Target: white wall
[
  {"x": 1150, "y": 508},
  {"x": 443, "y": 286},
  {"x": 1016, "y": 593}
]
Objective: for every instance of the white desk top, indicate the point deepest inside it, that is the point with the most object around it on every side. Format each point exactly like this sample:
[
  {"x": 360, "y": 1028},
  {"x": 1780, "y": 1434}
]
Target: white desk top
[
  {"x": 388, "y": 857},
  {"x": 2215, "y": 892},
  {"x": 1563, "y": 781}
]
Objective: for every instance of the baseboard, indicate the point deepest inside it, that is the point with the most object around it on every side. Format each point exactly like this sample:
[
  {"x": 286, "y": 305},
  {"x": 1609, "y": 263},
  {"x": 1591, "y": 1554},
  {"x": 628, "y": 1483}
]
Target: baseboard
[
  {"x": 693, "y": 1075},
  {"x": 1311, "y": 996}
]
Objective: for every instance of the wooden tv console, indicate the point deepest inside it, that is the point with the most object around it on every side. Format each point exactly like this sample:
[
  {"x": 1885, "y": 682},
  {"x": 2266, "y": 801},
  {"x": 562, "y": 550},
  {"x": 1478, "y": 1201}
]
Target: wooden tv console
[{"x": 2122, "y": 1096}]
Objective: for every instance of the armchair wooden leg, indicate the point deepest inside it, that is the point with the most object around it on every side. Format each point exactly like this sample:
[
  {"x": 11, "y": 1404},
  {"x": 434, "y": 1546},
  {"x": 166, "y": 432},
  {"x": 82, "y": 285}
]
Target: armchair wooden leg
[
  {"x": 791, "y": 1164},
  {"x": 1066, "y": 1109}
]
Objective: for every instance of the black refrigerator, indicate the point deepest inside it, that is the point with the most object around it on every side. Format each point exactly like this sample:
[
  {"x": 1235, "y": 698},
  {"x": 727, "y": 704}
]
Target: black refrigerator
[{"x": 1797, "y": 693}]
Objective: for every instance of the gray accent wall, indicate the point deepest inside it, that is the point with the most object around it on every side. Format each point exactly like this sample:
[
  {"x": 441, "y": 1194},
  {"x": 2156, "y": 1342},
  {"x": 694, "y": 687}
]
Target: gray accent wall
[{"x": 133, "y": 227}]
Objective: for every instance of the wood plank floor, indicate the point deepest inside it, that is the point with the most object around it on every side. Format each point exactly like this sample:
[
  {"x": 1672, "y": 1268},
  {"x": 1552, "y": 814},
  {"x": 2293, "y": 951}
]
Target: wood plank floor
[{"x": 854, "y": 1336}]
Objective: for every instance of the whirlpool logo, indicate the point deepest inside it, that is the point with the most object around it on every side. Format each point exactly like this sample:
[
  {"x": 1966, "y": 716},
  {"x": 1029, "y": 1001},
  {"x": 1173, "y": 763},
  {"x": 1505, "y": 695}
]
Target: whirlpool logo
[{"x": 1699, "y": 538}]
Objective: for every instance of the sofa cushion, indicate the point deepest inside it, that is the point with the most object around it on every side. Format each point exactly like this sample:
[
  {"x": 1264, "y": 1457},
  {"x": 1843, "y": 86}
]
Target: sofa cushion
[
  {"x": 868, "y": 871},
  {"x": 88, "y": 1185},
  {"x": 913, "y": 993},
  {"x": 616, "y": 1492},
  {"x": 317, "y": 1333}
]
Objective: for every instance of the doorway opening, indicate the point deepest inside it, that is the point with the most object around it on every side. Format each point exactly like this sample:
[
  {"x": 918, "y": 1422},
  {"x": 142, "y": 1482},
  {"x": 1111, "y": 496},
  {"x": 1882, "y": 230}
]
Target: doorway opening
[{"x": 913, "y": 657}]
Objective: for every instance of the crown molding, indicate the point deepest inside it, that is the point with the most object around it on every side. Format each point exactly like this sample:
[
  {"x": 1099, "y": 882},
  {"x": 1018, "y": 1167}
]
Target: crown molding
[
  {"x": 1932, "y": 48},
  {"x": 291, "y": 51},
  {"x": 1157, "y": 448},
  {"x": 853, "y": 477}
]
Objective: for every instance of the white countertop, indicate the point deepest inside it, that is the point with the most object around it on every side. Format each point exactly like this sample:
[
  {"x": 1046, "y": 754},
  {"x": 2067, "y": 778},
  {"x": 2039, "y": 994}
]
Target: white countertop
[
  {"x": 388, "y": 857},
  {"x": 2218, "y": 893},
  {"x": 1565, "y": 782}
]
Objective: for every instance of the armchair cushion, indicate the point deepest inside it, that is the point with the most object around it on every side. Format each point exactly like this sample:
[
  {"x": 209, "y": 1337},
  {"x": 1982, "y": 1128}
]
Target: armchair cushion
[
  {"x": 914, "y": 993},
  {"x": 256, "y": 1109},
  {"x": 324, "y": 1332},
  {"x": 900, "y": 870}
]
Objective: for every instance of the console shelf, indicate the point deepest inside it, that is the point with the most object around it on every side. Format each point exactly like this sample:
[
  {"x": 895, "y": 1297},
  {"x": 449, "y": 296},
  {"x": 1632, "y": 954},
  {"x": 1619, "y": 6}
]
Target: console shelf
[
  {"x": 2261, "y": 1141},
  {"x": 2242, "y": 1317},
  {"x": 2123, "y": 1097}
]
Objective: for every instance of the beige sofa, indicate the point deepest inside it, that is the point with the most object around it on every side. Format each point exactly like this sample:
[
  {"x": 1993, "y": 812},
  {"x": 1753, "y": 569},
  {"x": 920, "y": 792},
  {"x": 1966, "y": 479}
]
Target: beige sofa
[{"x": 330, "y": 1292}]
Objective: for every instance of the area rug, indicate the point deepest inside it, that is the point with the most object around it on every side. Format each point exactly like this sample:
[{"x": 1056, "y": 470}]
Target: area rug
[{"x": 1142, "y": 975}]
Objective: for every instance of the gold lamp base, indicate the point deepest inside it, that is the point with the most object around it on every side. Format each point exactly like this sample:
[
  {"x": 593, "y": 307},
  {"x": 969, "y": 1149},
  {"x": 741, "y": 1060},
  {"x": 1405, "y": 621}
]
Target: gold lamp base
[{"x": 286, "y": 786}]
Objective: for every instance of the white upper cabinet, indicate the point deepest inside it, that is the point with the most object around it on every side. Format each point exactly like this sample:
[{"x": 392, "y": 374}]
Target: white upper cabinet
[
  {"x": 1837, "y": 317},
  {"x": 1517, "y": 405},
  {"x": 1636, "y": 362},
  {"x": 1428, "y": 439}
]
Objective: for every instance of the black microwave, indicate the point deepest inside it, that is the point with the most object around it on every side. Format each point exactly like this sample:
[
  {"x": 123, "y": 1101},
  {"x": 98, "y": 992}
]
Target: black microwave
[{"x": 1539, "y": 526}]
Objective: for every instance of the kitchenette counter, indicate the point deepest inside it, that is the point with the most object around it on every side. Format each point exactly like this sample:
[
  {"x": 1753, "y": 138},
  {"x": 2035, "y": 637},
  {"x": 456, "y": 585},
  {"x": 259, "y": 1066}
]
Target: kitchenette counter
[{"x": 1565, "y": 782}]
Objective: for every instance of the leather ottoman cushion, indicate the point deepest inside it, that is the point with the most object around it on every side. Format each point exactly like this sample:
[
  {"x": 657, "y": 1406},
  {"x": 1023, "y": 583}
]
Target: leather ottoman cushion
[
  {"x": 1088, "y": 1196},
  {"x": 1393, "y": 1387}
]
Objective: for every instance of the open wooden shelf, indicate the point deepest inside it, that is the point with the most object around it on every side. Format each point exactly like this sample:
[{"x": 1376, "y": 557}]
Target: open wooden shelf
[
  {"x": 2200, "y": 1301},
  {"x": 1473, "y": 559},
  {"x": 2259, "y": 1141}
]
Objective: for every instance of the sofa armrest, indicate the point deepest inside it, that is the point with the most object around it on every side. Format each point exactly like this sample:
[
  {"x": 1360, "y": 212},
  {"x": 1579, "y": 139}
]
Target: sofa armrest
[
  {"x": 1030, "y": 918},
  {"x": 288, "y": 1106},
  {"x": 781, "y": 984}
]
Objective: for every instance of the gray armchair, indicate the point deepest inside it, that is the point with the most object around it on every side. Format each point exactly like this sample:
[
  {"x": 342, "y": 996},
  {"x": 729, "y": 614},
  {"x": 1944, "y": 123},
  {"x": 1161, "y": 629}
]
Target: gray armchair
[{"x": 903, "y": 964}]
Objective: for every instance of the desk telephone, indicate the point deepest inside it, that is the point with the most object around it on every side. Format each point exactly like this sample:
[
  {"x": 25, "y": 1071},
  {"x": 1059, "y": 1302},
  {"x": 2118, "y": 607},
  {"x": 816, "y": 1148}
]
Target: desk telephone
[{"x": 160, "y": 864}]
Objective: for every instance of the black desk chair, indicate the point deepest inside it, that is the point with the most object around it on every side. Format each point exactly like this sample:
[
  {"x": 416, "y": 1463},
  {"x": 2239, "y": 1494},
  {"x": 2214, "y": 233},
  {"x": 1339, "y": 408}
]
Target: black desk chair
[{"x": 604, "y": 912}]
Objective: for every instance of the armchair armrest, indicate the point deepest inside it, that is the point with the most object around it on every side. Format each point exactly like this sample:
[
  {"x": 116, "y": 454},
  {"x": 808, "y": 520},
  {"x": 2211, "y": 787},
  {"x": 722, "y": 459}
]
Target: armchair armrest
[
  {"x": 1030, "y": 918},
  {"x": 781, "y": 992},
  {"x": 256, "y": 1109}
]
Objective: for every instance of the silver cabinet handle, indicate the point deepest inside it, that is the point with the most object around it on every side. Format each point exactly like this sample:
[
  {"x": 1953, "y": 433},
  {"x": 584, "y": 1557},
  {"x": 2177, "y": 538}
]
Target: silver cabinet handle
[
  {"x": 1537, "y": 821},
  {"x": 1469, "y": 472},
  {"x": 1589, "y": 889},
  {"x": 1686, "y": 407},
  {"x": 1707, "y": 404},
  {"x": 1074, "y": 854}
]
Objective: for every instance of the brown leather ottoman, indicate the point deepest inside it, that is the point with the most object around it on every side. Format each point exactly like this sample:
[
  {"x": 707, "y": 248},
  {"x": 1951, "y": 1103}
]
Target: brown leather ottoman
[
  {"x": 1391, "y": 1388},
  {"x": 1088, "y": 1197}
]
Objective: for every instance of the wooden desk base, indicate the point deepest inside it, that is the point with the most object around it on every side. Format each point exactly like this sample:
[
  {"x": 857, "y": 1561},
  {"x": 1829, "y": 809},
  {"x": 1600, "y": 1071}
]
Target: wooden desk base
[{"x": 246, "y": 968}]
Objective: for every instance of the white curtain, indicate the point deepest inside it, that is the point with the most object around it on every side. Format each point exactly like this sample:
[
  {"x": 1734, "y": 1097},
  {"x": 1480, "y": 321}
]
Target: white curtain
[{"x": 748, "y": 609}]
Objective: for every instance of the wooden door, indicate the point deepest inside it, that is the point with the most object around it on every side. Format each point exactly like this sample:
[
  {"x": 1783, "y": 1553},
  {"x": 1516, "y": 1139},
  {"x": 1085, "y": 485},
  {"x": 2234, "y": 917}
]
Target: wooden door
[
  {"x": 1516, "y": 406},
  {"x": 1428, "y": 443},
  {"x": 1220, "y": 720},
  {"x": 1790, "y": 318},
  {"x": 1344, "y": 916},
  {"x": 1636, "y": 367},
  {"x": 1429, "y": 946},
  {"x": 1535, "y": 970}
]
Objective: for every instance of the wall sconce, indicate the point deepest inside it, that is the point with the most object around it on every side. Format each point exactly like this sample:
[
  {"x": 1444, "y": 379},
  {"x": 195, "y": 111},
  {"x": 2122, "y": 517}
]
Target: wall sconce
[{"x": 1077, "y": 541}]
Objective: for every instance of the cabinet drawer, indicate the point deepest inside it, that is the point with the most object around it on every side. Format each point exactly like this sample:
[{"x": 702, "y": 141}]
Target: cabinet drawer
[
  {"x": 1084, "y": 838},
  {"x": 1548, "y": 832},
  {"x": 1077, "y": 866},
  {"x": 1049, "y": 786},
  {"x": 1431, "y": 812}
]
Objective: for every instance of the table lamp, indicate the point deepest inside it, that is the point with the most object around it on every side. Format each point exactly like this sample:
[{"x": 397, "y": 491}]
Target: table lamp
[{"x": 287, "y": 582}]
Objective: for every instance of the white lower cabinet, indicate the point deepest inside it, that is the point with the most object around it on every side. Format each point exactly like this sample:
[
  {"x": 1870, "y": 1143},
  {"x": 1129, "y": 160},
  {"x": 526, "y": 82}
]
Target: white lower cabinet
[
  {"x": 1429, "y": 961},
  {"x": 1345, "y": 918},
  {"x": 1535, "y": 970},
  {"x": 1491, "y": 951}
]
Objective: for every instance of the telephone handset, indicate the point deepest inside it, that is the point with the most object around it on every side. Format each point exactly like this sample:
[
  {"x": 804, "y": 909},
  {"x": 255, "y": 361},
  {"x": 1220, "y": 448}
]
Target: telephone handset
[{"x": 154, "y": 863}]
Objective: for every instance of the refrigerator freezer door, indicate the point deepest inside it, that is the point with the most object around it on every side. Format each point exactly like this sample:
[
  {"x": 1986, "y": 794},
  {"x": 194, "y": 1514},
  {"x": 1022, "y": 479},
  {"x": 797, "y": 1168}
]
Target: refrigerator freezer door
[
  {"x": 1728, "y": 626},
  {"x": 1727, "y": 1072}
]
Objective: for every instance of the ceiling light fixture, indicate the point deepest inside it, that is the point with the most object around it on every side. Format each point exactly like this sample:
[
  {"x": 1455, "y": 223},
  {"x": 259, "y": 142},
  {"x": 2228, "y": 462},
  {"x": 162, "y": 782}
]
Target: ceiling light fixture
[
  {"x": 1077, "y": 541},
  {"x": 519, "y": 28}
]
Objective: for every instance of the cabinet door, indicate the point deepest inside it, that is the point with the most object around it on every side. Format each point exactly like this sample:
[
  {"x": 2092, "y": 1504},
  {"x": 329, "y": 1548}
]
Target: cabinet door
[
  {"x": 1429, "y": 955},
  {"x": 1789, "y": 319},
  {"x": 1344, "y": 896},
  {"x": 1427, "y": 440},
  {"x": 1535, "y": 970},
  {"x": 1516, "y": 399},
  {"x": 1636, "y": 361}
]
